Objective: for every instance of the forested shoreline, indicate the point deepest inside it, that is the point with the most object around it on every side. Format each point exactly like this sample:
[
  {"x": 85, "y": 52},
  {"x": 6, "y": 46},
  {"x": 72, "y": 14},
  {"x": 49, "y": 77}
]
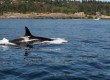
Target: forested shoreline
[{"x": 89, "y": 7}]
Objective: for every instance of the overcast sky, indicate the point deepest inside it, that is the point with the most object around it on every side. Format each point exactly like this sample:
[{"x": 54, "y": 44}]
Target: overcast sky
[
  {"x": 104, "y": 0},
  {"x": 101, "y": 0}
]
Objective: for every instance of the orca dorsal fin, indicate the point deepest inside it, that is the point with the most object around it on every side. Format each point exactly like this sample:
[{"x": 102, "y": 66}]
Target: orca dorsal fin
[{"x": 27, "y": 32}]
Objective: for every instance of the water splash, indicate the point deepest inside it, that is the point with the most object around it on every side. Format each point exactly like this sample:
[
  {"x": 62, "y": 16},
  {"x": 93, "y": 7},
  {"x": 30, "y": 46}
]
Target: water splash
[
  {"x": 56, "y": 41},
  {"x": 5, "y": 41}
]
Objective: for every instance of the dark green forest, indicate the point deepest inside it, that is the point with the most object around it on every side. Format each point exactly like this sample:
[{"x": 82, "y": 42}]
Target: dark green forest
[{"x": 53, "y": 6}]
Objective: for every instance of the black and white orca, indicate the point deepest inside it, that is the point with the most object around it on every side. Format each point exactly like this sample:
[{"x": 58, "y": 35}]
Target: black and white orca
[{"x": 29, "y": 38}]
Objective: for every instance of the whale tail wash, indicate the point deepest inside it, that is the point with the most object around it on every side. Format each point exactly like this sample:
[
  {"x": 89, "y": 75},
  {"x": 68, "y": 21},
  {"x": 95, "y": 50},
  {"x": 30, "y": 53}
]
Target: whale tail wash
[{"x": 28, "y": 38}]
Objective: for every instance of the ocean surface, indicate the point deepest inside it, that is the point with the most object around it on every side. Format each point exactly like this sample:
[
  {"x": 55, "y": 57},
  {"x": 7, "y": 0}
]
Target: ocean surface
[{"x": 85, "y": 55}]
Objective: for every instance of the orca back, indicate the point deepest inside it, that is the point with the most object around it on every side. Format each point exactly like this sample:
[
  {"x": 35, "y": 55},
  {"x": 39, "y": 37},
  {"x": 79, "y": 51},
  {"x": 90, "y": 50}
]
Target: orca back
[{"x": 28, "y": 33}]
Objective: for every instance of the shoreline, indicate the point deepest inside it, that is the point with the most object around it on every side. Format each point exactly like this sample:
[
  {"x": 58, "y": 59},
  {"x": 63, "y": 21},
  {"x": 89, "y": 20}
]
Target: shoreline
[
  {"x": 42, "y": 15},
  {"x": 79, "y": 15}
]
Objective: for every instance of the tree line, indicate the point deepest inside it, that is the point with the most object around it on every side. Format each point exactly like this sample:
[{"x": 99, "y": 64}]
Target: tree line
[{"x": 53, "y": 6}]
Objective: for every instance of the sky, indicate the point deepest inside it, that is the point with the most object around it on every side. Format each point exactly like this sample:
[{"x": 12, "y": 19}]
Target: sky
[
  {"x": 101, "y": 0},
  {"x": 104, "y": 0}
]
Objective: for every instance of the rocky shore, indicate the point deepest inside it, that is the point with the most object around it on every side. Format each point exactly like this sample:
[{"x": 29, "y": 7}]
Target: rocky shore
[{"x": 79, "y": 15}]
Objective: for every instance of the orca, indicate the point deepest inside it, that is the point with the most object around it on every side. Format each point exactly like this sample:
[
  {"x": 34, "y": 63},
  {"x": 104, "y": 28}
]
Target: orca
[{"x": 29, "y": 38}]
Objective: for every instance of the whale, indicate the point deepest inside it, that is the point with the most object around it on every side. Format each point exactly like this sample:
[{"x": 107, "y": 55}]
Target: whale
[{"x": 28, "y": 38}]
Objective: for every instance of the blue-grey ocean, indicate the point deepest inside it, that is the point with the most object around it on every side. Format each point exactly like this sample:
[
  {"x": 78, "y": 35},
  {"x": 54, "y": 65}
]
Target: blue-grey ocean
[{"x": 85, "y": 55}]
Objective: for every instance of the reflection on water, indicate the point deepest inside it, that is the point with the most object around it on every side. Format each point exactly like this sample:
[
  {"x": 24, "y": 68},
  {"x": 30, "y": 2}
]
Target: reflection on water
[
  {"x": 26, "y": 53},
  {"x": 4, "y": 48}
]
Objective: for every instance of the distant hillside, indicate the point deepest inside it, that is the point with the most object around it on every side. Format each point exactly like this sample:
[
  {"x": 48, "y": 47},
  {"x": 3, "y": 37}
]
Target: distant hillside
[{"x": 89, "y": 7}]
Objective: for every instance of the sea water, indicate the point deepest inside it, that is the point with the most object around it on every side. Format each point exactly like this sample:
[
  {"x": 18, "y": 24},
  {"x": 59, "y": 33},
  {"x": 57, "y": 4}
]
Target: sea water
[{"x": 84, "y": 55}]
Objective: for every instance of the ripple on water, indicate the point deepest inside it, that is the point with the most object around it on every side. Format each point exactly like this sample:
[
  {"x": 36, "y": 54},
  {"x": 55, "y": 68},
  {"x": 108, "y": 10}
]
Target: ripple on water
[{"x": 35, "y": 74}]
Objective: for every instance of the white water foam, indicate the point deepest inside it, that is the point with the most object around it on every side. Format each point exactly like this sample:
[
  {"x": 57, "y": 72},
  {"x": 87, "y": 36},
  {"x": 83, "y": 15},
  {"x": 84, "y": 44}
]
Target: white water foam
[
  {"x": 56, "y": 41},
  {"x": 5, "y": 41}
]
